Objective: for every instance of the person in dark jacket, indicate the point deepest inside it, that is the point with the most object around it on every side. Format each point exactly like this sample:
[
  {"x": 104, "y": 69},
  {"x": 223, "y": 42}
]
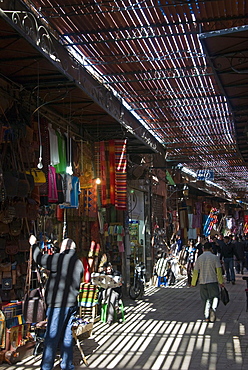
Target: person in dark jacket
[
  {"x": 239, "y": 246},
  {"x": 216, "y": 247},
  {"x": 62, "y": 287},
  {"x": 227, "y": 253}
]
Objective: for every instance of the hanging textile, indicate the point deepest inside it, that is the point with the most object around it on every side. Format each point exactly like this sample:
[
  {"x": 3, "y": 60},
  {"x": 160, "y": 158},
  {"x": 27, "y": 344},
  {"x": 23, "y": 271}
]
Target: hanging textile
[
  {"x": 112, "y": 171},
  {"x": 52, "y": 185},
  {"x": 197, "y": 217},
  {"x": 191, "y": 230},
  {"x": 60, "y": 190},
  {"x": 61, "y": 166},
  {"x": 211, "y": 220},
  {"x": 86, "y": 166},
  {"x": 75, "y": 191},
  {"x": 120, "y": 174},
  {"x": 53, "y": 141},
  {"x": 245, "y": 229},
  {"x": 88, "y": 201},
  {"x": 103, "y": 170},
  {"x": 92, "y": 200}
]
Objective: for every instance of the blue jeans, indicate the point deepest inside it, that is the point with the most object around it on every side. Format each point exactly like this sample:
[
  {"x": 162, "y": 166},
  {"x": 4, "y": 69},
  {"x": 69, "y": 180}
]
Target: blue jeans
[
  {"x": 59, "y": 332},
  {"x": 229, "y": 267}
]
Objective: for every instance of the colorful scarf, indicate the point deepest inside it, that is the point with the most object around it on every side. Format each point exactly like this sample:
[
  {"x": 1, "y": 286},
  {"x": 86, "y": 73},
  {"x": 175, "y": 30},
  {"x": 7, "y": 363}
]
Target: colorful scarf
[
  {"x": 120, "y": 174},
  {"x": 112, "y": 171}
]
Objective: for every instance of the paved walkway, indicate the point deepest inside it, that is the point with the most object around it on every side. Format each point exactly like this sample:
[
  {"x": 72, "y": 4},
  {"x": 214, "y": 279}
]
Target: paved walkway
[{"x": 165, "y": 330}]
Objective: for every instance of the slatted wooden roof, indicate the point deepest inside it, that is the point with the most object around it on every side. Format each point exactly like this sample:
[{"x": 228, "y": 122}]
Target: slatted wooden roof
[{"x": 160, "y": 57}]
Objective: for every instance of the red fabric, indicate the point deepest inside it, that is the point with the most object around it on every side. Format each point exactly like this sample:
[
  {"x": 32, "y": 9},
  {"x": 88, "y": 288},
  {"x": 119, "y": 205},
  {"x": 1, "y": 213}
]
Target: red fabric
[
  {"x": 86, "y": 270},
  {"x": 120, "y": 174},
  {"x": 112, "y": 170},
  {"x": 103, "y": 170},
  {"x": 52, "y": 185}
]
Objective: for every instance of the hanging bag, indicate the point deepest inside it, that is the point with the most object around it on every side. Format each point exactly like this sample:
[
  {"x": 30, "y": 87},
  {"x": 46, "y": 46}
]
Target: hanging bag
[
  {"x": 224, "y": 296},
  {"x": 38, "y": 175},
  {"x": 33, "y": 305},
  {"x": 16, "y": 182}
]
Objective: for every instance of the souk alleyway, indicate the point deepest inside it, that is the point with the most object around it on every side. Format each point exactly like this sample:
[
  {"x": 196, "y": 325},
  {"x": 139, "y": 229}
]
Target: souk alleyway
[{"x": 165, "y": 330}]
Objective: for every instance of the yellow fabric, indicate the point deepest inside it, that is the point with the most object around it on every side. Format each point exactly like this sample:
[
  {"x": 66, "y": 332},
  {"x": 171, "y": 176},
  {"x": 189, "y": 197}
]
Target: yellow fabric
[
  {"x": 194, "y": 277},
  {"x": 219, "y": 275}
]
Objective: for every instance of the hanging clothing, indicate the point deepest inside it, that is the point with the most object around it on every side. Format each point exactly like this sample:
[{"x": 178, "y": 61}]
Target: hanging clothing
[
  {"x": 75, "y": 191},
  {"x": 121, "y": 174},
  {"x": 112, "y": 171},
  {"x": 53, "y": 143},
  {"x": 52, "y": 185},
  {"x": 68, "y": 184},
  {"x": 60, "y": 189},
  {"x": 61, "y": 166}
]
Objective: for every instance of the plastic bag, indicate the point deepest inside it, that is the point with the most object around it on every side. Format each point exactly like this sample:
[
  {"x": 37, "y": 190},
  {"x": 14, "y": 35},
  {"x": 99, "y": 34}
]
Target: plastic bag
[{"x": 224, "y": 296}]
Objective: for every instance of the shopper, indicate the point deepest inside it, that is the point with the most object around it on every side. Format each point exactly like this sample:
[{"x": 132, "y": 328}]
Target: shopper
[
  {"x": 227, "y": 253},
  {"x": 111, "y": 298},
  {"x": 199, "y": 245},
  {"x": 220, "y": 241},
  {"x": 179, "y": 243},
  {"x": 161, "y": 270},
  {"x": 192, "y": 254},
  {"x": 215, "y": 246},
  {"x": 239, "y": 246},
  {"x": 62, "y": 287},
  {"x": 208, "y": 269}
]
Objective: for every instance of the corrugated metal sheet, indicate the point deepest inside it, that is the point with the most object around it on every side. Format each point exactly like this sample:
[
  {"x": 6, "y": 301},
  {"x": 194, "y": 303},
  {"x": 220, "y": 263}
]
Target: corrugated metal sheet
[{"x": 150, "y": 53}]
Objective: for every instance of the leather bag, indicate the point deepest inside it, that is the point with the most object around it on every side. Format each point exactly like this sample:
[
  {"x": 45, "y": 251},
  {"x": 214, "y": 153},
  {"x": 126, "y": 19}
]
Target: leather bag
[
  {"x": 15, "y": 227},
  {"x": 33, "y": 304},
  {"x": 12, "y": 248},
  {"x": 21, "y": 352}
]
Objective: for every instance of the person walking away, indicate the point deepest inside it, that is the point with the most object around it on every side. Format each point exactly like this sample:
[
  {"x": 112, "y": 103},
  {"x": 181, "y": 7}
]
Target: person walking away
[
  {"x": 161, "y": 270},
  {"x": 61, "y": 291},
  {"x": 220, "y": 241},
  {"x": 227, "y": 253},
  {"x": 216, "y": 247},
  {"x": 170, "y": 276},
  {"x": 208, "y": 270},
  {"x": 192, "y": 254},
  {"x": 239, "y": 246},
  {"x": 199, "y": 244}
]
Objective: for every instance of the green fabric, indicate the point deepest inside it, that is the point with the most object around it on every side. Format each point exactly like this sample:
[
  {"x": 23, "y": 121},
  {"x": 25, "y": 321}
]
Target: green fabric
[{"x": 61, "y": 166}]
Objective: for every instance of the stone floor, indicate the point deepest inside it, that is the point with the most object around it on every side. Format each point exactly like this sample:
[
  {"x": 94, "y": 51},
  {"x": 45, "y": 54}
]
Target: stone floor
[{"x": 165, "y": 330}]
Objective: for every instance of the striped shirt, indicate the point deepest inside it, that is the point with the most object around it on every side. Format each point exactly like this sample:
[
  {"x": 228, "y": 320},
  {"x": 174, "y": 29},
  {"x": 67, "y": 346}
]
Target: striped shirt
[{"x": 209, "y": 267}]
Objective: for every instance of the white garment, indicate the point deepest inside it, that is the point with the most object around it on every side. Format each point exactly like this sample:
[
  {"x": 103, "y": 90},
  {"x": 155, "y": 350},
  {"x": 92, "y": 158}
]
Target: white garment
[
  {"x": 68, "y": 188},
  {"x": 53, "y": 143}
]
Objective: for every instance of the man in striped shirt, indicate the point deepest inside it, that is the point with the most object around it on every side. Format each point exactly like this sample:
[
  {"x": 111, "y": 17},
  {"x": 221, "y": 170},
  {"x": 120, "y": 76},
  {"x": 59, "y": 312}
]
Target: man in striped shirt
[{"x": 208, "y": 269}]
